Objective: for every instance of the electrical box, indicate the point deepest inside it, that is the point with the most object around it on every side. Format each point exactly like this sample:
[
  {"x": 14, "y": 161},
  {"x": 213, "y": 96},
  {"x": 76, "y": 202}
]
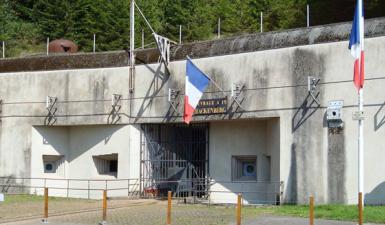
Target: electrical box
[{"x": 334, "y": 114}]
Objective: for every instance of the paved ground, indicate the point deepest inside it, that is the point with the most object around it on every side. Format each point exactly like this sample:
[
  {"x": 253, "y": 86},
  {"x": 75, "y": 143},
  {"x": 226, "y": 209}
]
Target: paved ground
[
  {"x": 262, "y": 220},
  {"x": 274, "y": 220}
]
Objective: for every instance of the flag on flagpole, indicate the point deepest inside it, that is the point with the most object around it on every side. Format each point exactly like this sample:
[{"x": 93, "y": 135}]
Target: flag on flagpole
[
  {"x": 163, "y": 44},
  {"x": 356, "y": 45},
  {"x": 196, "y": 84}
]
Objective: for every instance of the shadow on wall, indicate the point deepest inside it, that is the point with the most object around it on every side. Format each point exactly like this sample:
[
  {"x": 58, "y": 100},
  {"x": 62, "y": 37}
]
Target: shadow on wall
[
  {"x": 153, "y": 89},
  {"x": 83, "y": 138},
  {"x": 379, "y": 117},
  {"x": 336, "y": 168},
  {"x": 291, "y": 190},
  {"x": 308, "y": 107},
  {"x": 376, "y": 196}
]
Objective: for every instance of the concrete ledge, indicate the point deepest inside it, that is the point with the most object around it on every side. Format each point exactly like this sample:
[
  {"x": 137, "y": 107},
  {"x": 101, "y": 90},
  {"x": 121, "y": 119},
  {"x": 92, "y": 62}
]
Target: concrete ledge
[{"x": 233, "y": 45}]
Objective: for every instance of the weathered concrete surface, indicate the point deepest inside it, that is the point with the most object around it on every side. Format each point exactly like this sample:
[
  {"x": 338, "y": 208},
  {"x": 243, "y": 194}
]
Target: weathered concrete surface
[{"x": 312, "y": 160}]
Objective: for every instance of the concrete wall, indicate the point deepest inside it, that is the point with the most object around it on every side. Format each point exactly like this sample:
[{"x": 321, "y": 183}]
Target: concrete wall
[
  {"x": 312, "y": 160},
  {"x": 79, "y": 145},
  {"x": 243, "y": 138}
]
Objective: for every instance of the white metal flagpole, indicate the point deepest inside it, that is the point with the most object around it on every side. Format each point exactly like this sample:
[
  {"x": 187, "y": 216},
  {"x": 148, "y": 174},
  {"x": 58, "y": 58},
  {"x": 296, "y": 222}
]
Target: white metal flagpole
[
  {"x": 361, "y": 157},
  {"x": 132, "y": 46},
  {"x": 361, "y": 145}
]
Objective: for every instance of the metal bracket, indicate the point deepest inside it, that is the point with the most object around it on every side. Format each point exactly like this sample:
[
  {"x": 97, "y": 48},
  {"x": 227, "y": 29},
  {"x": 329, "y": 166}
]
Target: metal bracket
[
  {"x": 50, "y": 105},
  {"x": 236, "y": 90},
  {"x": 172, "y": 96},
  {"x": 312, "y": 83},
  {"x": 115, "y": 101}
]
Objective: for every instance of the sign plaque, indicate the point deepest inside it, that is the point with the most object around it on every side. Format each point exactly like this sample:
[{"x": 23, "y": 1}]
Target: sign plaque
[
  {"x": 211, "y": 106},
  {"x": 358, "y": 115}
]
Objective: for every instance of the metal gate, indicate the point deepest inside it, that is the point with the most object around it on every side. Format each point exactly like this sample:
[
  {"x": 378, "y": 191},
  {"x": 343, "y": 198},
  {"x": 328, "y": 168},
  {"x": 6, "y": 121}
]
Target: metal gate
[{"x": 174, "y": 157}]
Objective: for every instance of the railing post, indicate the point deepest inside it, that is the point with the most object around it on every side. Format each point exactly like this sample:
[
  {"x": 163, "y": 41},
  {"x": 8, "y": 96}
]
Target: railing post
[
  {"x": 45, "y": 219},
  {"x": 128, "y": 187},
  {"x": 47, "y": 46},
  {"x": 180, "y": 34},
  {"x": 3, "y": 48},
  {"x": 142, "y": 39},
  {"x": 88, "y": 189},
  {"x": 360, "y": 209},
  {"x": 311, "y": 210},
  {"x": 308, "y": 15},
  {"x": 68, "y": 187},
  {"x": 94, "y": 44},
  {"x": 239, "y": 206},
  {"x": 169, "y": 196},
  {"x": 281, "y": 192}
]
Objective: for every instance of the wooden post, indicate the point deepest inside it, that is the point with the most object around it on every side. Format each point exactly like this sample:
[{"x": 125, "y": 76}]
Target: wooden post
[
  {"x": 360, "y": 209},
  {"x": 105, "y": 205},
  {"x": 45, "y": 204},
  {"x": 169, "y": 196},
  {"x": 311, "y": 210},
  {"x": 239, "y": 206}
]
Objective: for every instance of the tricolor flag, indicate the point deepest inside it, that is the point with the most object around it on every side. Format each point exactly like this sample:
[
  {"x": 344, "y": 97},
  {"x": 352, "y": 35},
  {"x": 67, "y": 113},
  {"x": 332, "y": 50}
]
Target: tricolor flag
[
  {"x": 356, "y": 45},
  {"x": 196, "y": 83}
]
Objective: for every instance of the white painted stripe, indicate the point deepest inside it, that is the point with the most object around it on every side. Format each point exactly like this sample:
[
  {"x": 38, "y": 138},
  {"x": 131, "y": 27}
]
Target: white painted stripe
[
  {"x": 362, "y": 33},
  {"x": 356, "y": 51},
  {"x": 194, "y": 95}
]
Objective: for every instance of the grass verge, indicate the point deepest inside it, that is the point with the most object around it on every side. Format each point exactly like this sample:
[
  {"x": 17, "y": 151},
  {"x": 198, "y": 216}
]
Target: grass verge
[
  {"x": 27, "y": 198},
  {"x": 372, "y": 214}
]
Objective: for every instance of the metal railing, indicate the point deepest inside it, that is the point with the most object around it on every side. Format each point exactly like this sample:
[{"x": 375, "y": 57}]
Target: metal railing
[
  {"x": 74, "y": 188},
  {"x": 196, "y": 190}
]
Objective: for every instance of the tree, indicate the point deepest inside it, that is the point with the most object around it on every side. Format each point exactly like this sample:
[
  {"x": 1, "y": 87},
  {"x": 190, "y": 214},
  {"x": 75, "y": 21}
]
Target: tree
[
  {"x": 19, "y": 35},
  {"x": 31, "y": 21},
  {"x": 55, "y": 18},
  {"x": 195, "y": 16}
]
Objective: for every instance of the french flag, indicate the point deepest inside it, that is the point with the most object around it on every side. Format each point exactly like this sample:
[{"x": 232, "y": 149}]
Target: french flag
[
  {"x": 356, "y": 46},
  {"x": 196, "y": 84}
]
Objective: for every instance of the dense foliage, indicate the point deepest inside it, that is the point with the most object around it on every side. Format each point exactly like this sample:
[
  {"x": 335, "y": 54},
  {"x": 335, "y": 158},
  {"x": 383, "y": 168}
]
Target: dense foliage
[{"x": 25, "y": 24}]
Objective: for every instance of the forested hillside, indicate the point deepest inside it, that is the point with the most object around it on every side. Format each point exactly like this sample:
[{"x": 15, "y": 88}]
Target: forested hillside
[{"x": 25, "y": 24}]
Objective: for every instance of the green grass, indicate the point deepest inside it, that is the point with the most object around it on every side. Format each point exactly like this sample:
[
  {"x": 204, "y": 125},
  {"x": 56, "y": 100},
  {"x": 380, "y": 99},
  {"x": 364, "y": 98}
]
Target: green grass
[
  {"x": 26, "y": 198},
  {"x": 372, "y": 214}
]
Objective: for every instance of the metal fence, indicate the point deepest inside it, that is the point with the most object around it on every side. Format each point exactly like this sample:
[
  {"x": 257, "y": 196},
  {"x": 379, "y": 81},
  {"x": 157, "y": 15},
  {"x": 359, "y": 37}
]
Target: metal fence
[
  {"x": 71, "y": 188},
  {"x": 205, "y": 191}
]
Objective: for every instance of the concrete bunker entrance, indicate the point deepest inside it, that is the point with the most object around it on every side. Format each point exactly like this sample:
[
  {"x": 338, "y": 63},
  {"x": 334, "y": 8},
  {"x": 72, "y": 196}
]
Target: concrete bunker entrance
[{"x": 174, "y": 157}]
